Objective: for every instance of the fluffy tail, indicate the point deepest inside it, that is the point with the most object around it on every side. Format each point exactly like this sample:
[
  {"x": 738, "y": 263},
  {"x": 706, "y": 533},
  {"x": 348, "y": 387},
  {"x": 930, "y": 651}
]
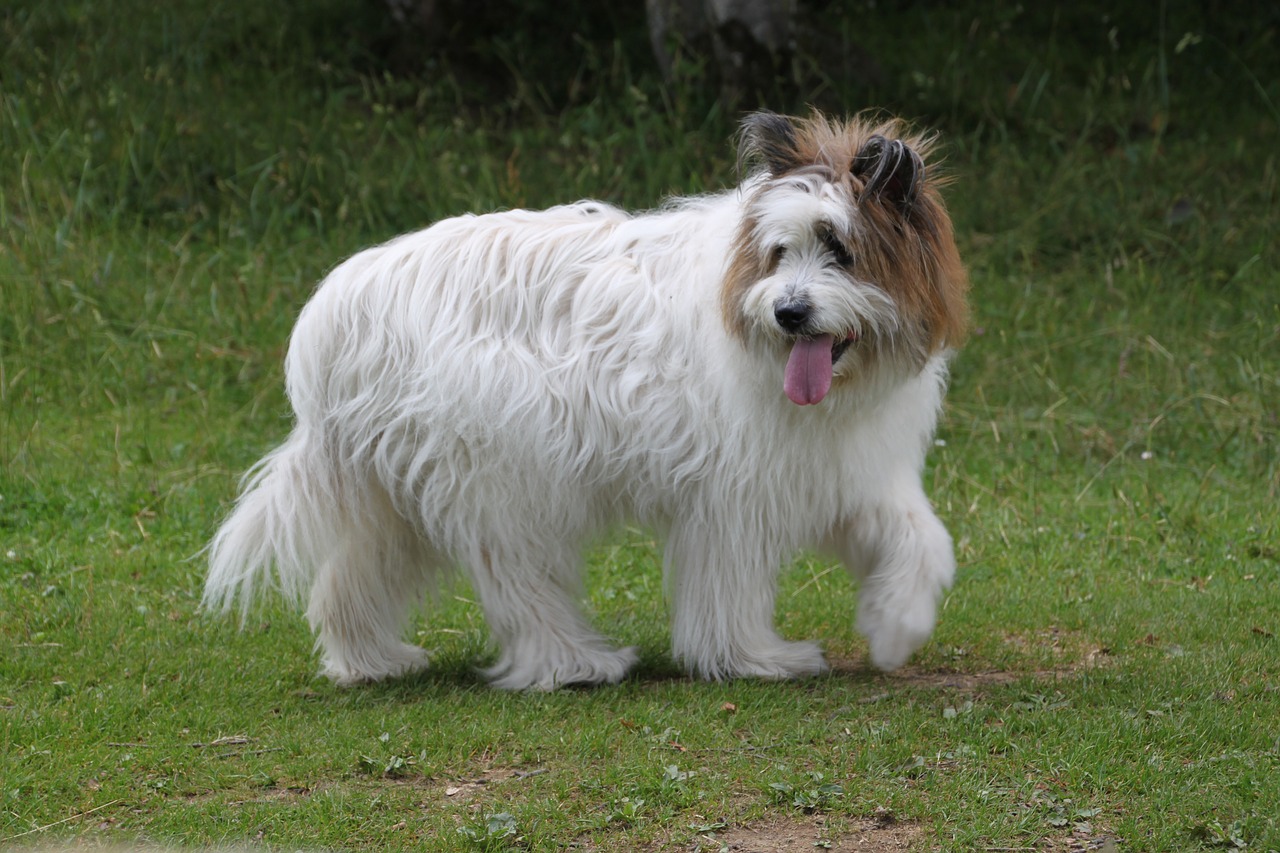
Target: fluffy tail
[{"x": 283, "y": 518}]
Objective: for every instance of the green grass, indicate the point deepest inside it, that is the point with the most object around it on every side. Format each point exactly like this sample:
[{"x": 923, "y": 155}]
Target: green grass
[{"x": 175, "y": 178}]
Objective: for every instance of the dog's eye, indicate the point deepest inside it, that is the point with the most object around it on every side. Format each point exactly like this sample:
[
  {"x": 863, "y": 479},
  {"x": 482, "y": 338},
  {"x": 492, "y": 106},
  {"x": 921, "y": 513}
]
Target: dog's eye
[
  {"x": 836, "y": 248},
  {"x": 776, "y": 256}
]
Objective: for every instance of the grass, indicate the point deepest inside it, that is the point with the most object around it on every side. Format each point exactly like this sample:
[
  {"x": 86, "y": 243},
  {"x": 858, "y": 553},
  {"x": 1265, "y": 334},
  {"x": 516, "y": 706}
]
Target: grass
[{"x": 172, "y": 183}]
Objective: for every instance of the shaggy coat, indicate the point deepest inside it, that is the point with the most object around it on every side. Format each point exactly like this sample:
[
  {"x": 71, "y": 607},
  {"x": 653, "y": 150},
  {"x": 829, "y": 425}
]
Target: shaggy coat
[{"x": 750, "y": 373}]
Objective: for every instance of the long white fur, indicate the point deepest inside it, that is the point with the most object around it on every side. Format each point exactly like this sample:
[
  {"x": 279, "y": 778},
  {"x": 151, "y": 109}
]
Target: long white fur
[{"x": 495, "y": 390}]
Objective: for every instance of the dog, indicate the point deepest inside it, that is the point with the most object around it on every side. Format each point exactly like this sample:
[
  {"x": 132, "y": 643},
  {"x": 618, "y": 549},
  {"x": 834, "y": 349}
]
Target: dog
[{"x": 749, "y": 373}]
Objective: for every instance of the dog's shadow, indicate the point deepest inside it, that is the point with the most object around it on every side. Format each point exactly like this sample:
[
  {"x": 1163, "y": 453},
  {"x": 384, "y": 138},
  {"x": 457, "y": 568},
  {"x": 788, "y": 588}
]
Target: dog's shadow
[{"x": 449, "y": 677}]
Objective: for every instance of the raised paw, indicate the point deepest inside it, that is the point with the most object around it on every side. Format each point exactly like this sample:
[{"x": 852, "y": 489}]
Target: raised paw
[{"x": 896, "y": 628}]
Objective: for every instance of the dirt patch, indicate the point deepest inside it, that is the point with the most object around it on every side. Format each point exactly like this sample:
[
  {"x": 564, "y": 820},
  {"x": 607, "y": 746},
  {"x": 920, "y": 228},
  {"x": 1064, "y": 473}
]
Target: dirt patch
[
  {"x": 273, "y": 793},
  {"x": 1079, "y": 844},
  {"x": 964, "y": 681},
  {"x": 1072, "y": 650},
  {"x": 936, "y": 679},
  {"x": 278, "y": 794},
  {"x": 1069, "y": 654},
  {"x": 794, "y": 834},
  {"x": 465, "y": 789}
]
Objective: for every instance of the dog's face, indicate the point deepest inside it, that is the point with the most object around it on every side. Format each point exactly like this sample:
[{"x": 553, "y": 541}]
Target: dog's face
[{"x": 845, "y": 258}]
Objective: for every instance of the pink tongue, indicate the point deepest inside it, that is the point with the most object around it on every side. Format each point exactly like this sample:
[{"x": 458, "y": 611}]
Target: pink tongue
[{"x": 808, "y": 376}]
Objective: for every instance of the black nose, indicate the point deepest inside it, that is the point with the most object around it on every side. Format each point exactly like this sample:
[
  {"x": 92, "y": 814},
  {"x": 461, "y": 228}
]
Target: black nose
[{"x": 792, "y": 314}]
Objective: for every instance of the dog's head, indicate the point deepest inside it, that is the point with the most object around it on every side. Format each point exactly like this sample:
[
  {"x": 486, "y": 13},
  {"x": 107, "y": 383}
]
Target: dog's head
[{"x": 845, "y": 257}]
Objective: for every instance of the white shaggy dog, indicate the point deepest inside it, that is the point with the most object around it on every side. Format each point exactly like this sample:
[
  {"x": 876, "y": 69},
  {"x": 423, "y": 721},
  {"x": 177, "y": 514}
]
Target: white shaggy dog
[{"x": 751, "y": 373}]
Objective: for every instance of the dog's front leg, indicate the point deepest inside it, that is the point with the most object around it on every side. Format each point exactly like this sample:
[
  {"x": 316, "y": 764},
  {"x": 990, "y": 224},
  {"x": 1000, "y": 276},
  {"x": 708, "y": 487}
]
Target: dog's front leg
[
  {"x": 903, "y": 556},
  {"x": 723, "y": 581}
]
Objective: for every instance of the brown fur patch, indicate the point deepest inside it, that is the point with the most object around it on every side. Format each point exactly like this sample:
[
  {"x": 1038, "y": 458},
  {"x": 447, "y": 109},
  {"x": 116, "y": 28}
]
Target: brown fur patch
[
  {"x": 747, "y": 265},
  {"x": 908, "y": 250}
]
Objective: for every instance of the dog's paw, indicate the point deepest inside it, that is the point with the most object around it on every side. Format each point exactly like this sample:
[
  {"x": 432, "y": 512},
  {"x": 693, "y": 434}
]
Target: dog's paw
[
  {"x": 898, "y": 604},
  {"x": 778, "y": 661},
  {"x": 894, "y": 633},
  {"x": 573, "y": 668},
  {"x": 366, "y": 666},
  {"x": 786, "y": 660}
]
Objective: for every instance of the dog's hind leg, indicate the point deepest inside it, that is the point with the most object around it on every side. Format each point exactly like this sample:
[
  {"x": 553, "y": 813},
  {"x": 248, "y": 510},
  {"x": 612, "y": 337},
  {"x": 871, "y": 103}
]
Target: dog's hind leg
[
  {"x": 723, "y": 583},
  {"x": 544, "y": 641},
  {"x": 364, "y": 594},
  {"x": 903, "y": 555}
]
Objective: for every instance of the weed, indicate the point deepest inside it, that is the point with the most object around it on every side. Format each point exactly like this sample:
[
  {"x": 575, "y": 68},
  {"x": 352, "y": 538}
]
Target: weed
[
  {"x": 810, "y": 795},
  {"x": 492, "y": 832}
]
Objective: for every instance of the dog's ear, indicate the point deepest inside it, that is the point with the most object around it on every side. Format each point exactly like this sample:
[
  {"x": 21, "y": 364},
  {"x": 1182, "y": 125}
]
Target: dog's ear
[
  {"x": 769, "y": 139},
  {"x": 889, "y": 169}
]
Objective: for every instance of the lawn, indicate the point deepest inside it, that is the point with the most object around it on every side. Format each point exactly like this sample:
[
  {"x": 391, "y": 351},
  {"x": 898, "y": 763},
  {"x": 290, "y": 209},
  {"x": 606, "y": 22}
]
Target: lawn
[{"x": 174, "y": 179}]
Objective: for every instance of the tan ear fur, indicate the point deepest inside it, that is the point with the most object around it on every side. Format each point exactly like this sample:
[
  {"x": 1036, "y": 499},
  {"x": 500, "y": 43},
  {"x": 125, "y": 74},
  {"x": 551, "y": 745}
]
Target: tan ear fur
[{"x": 908, "y": 250}]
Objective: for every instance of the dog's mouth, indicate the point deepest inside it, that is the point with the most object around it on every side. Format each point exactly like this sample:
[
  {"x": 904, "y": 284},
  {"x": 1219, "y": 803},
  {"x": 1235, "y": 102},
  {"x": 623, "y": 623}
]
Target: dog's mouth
[
  {"x": 807, "y": 378},
  {"x": 838, "y": 348}
]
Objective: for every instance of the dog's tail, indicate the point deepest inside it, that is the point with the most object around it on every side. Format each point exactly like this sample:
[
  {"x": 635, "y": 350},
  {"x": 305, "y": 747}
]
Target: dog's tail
[{"x": 279, "y": 520}]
